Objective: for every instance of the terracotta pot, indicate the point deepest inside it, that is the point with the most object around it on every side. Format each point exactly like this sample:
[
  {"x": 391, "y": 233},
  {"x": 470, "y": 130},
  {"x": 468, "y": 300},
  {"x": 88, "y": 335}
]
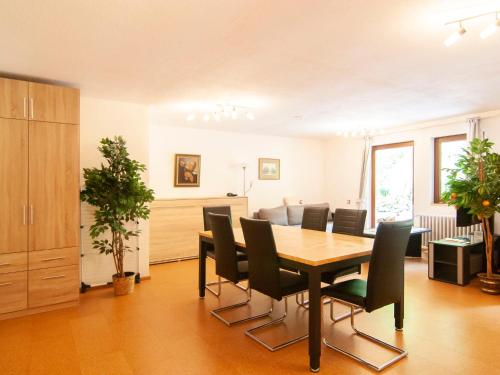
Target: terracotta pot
[
  {"x": 124, "y": 285},
  {"x": 490, "y": 285}
]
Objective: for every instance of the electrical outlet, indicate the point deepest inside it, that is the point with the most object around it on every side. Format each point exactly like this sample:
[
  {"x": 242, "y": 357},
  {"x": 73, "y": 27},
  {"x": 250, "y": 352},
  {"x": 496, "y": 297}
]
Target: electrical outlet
[{"x": 348, "y": 201}]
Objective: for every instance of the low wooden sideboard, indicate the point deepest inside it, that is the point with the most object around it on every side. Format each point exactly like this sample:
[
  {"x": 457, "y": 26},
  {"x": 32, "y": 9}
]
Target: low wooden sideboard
[{"x": 175, "y": 224}]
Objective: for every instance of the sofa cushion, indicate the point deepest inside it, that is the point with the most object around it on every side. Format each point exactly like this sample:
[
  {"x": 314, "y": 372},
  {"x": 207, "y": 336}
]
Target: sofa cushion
[
  {"x": 277, "y": 215},
  {"x": 295, "y": 214}
]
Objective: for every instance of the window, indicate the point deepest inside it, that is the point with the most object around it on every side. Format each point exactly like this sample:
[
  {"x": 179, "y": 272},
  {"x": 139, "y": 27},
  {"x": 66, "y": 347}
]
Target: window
[
  {"x": 392, "y": 182},
  {"x": 446, "y": 152}
]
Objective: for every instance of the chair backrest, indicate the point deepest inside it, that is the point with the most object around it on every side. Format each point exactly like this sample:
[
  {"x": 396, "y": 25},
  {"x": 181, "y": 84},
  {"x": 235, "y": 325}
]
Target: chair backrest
[
  {"x": 385, "y": 283},
  {"x": 263, "y": 263},
  {"x": 226, "y": 262},
  {"x": 315, "y": 218},
  {"x": 347, "y": 221},
  {"x": 221, "y": 210}
]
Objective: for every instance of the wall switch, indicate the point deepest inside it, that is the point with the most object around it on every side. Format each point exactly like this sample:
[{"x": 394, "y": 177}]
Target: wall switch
[{"x": 348, "y": 201}]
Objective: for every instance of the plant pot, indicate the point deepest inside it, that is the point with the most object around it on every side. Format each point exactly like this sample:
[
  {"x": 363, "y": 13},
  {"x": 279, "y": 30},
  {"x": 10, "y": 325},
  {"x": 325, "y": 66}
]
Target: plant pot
[
  {"x": 124, "y": 285},
  {"x": 490, "y": 285}
]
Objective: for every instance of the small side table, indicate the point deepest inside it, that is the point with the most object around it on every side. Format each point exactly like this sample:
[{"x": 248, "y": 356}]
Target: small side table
[{"x": 455, "y": 262}]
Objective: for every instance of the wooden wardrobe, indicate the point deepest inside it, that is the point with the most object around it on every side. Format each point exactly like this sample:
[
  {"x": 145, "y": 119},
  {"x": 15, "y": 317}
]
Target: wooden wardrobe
[{"x": 39, "y": 197}]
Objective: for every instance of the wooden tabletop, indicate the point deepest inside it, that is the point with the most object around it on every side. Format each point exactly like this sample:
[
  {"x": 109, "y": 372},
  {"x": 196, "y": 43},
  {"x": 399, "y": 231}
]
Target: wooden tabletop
[{"x": 310, "y": 246}]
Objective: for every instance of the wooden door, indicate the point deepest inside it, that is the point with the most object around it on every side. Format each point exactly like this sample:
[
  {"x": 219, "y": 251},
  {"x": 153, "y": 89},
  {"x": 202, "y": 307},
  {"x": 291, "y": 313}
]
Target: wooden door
[
  {"x": 54, "y": 185},
  {"x": 13, "y": 185},
  {"x": 13, "y": 99},
  {"x": 54, "y": 103}
]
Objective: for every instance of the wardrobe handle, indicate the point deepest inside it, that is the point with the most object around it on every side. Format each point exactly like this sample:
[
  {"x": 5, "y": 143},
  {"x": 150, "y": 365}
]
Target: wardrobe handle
[
  {"x": 53, "y": 277},
  {"x": 32, "y": 109},
  {"x": 24, "y": 214},
  {"x": 5, "y": 284},
  {"x": 51, "y": 259},
  {"x": 32, "y": 214},
  {"x": 25, "y": 107}
]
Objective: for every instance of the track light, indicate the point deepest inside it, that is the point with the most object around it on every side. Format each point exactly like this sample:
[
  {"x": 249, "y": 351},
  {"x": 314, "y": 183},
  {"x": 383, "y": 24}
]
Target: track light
[
  {"x": 455, "y": 37},
  {"x": 491, "y": 29},
  {"x": 222, "y": 112}
]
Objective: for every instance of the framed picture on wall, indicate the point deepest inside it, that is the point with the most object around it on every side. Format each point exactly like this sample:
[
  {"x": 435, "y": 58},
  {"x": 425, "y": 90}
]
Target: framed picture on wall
[
  {"x": 187, "y": 170},
  {"x": 269, "y": 169}
]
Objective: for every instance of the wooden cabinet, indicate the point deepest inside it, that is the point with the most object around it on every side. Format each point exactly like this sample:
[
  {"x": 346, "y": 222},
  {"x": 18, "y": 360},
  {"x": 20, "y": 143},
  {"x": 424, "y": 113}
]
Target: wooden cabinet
[
  {"x": 52, "y": 285},
  {"x": 13, "y": 98},
  {"x": 13, "y": 185},
  {"x": 13, "y": 292},
  {"x": 39, "y": 197},
  {"x": 52, "y": 103},
  {"x": 54, "y": 185}
]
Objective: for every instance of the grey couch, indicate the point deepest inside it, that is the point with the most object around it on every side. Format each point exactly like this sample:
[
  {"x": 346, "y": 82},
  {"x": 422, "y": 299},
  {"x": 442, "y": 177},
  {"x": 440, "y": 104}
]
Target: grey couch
[{"x": 288, "y": 215}]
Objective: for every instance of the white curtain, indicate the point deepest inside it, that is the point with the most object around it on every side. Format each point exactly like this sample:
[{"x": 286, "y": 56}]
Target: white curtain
[
  {"x": 474, "y": 128},
  {"x": 364, "y": 174}
]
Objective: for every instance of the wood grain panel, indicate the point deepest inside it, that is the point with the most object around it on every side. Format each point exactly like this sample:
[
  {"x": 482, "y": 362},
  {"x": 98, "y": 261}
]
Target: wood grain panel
[
  {"x": 311, "y": 246},
  {"x": 13, "y": 185},
  {"x": 54, "y": 186},
  {"x": 54, "y": 103},
  {"x": 175, "y": 224},
  {"x": 13, "y": 292},
  {"x": 52, "y": 285},
  {"x": 53, "y": 258},
  {"x": 13, "y": 98},
  {"x": 13, "y": 262}
]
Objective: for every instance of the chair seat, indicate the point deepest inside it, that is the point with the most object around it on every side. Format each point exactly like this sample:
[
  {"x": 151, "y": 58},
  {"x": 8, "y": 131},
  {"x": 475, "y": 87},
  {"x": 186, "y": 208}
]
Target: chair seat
[
  {"x": 242, "y": 269},
  {"x": 352, "y": 291},
  {"x": 239, "y": 254},
  {"x": 329, "y": 277},
  {"x": 292, "y": 283}
]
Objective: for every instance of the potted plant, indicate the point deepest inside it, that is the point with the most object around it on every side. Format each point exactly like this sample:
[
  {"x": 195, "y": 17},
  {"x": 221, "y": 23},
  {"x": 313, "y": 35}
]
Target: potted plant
[
  {"x": 474, "y": 184},
  {"x": 120, "y": 196}
]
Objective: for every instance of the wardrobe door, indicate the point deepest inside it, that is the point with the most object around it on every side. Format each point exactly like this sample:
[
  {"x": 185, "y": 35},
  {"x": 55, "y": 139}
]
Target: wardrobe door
[
  {"x": 13, "y": 185},
  {"x": 54, "y": 185},
  {"x": 54, "y": 103},
  {"x": 13, "y": 98}
]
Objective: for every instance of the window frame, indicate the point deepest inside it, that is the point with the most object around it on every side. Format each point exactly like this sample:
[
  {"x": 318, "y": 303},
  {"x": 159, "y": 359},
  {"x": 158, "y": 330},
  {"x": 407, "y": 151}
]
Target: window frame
[
  {"x": 438, "y": 141},
  {"x": 373, "y": 168}
]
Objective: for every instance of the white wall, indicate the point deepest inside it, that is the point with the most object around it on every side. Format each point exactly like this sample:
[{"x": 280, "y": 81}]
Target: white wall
[
  {"x": 343, "y": 172},
  {"x": 104, "y": 118},
  {"x": 222, "y": 153}
]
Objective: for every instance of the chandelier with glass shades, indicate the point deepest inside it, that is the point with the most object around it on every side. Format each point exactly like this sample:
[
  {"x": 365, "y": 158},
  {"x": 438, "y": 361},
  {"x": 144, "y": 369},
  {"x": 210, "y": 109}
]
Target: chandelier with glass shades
[
  {"x": 223, "y": 112},
  {"x": 488, "y": 31}
]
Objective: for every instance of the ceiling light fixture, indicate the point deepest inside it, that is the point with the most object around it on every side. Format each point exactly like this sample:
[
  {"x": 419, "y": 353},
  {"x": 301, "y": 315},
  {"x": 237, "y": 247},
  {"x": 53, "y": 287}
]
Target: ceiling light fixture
[
  {"x": 491, "y": 29},
  {"x": 223, "y": 111},
  {"x": 458, "y": 34},
  {"x": 191, "y": 117},
  {"x": 359, "y": 132},
  {"x": 455, "y": 37}
]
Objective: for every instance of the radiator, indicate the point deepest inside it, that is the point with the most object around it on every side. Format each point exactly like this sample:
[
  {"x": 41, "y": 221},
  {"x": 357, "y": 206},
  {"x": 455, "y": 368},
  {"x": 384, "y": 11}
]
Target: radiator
[{"x": 442, "y": 227}]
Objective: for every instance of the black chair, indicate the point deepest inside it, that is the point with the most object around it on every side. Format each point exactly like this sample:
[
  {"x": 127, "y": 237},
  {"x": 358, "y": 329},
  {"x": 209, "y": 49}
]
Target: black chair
[
  {"x": 227, "y": 264},
  {"x": 385, "y": 285},
  {"x": 221, "y": 210},
  {"x": 315, "y": 218},
  {"x": 265, "y": 274}
]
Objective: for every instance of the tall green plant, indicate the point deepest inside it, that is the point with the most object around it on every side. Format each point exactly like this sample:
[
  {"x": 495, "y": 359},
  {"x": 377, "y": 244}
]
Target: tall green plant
[
  {"x": 474, "y": 184},
  {"x": 120, "y": 196}
]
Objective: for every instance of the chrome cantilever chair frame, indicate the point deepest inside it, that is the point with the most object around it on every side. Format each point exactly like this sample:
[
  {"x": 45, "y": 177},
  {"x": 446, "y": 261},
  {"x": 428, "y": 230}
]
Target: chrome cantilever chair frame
[
  {"x": 401, "y": 352},
  {"x": 305, "y": 304},
  {"x": 250, "y": 332},
  {"x": 219, "y": 283},
  {"x": 217, "y": 311}
]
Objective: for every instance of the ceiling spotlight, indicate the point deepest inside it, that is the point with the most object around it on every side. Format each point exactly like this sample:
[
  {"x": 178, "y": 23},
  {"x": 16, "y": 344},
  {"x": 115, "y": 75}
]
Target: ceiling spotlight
[
  {"x": 206, "y": 117},
  {"x": 191, "y": 117},
  {"x": 250, "y": 116},
  {"x": 491, "y": 29},
  {"x": 455, "y": 37}
]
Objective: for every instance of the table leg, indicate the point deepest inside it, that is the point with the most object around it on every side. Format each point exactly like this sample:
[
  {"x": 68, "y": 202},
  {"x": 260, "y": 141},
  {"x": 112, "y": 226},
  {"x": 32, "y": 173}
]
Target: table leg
[
  {"x": 202, "y": 268},
  {"x": 399, "y": 308},
  {"x": 315, "y": 320}
]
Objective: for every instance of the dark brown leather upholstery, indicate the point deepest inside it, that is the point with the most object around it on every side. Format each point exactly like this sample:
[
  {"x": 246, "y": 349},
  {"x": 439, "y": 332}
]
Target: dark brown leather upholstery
[
  {"x": 347, "y": 221},
  {"x": 226, "y": 260},
  {"x": 265, "y": 274},
  {"x": 385, "y": 284},
  {"x": 315, "y": 218}
]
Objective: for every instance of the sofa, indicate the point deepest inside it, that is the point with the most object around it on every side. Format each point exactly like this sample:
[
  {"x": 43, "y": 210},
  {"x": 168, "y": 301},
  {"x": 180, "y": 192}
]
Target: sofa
[{"x": 288, "y": 215}]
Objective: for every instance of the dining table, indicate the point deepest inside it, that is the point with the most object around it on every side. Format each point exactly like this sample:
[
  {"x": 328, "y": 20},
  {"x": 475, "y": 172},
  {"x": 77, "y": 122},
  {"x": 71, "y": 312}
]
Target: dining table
[{"x": 311, "y": 252}]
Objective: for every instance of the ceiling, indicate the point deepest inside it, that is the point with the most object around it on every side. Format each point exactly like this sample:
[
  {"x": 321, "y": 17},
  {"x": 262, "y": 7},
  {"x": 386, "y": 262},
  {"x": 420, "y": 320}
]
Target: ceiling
[{"x": 305, "y": 67}]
